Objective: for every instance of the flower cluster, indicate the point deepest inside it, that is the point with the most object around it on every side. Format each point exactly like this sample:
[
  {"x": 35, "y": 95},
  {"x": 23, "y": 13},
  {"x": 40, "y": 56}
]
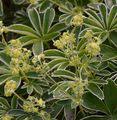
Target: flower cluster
[
  {"x": 65, "y": 41},
  {"x": 77, "y": 88},
  {"x": 40, "y": 65},
  {"x": 93, "y": 44},
  {"x": 10, "y": 87},
  {"x": 2, "y": 28},
  {"x": 77, "y": 20},
  {"x": 19, "y": 57},
  {"x": 75, "y": 61},
  {"x": 32, "y": 104}
]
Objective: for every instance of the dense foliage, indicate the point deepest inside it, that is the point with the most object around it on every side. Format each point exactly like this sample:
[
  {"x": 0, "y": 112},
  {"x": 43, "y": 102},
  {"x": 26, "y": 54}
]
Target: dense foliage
[{"x": 58, "y": 60}]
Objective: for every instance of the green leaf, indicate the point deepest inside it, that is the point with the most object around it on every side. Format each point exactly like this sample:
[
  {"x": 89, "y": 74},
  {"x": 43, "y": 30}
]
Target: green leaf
[
  {"x": 53, "y": 53},
  {"x": 29, "y": 89},
  {"x": 1, "y": 8},
  {"x": 112, "y": 16},
  {"x": 3, "y": 78},
  {"x": 108, "y": 52},
  {"x": 95, "y": 89},
  {"x": 37, "y": 48},
  {"x": 14, "y": 102},
  {"x": 35, "y": 20},
  {"x": 4, "y": 102},
  {"x": 48, "y": 19},
  {"x": 17, "y": 80},
  {"x": 57, "y": 27},
  {"x": 99, "y": 81},
  {"x": 49, "y": 36},
  {"x": 26, "y": 40},
  {"x": 44, "y": 5},
  {"x": 56, "y": 62},
  {"x": 110, "y": 91},
  {"x": 23, "y": 29},
  {"x": 95, "y": 117},
  {"x": 104, "y": 13},
  {"x": 17, "y": 112},
  {"x": 4, "y": 58},
  {"x": 59, "y": 106},
  {"x": 18, "y": 2},
  {"x": 38, "y": 89},
  {"x": 92, "y": 102},
  {"x": 113, "y": 38},
  {"x": 94, "y": 16},
  {"x": 63, "y": 73}
]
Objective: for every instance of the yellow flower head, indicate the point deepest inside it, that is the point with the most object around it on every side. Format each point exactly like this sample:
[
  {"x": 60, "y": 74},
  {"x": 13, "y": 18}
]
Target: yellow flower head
[
  {"x": 15, "y": 43},
  {"x": 78, "y": 88},
  {"x": 74, "y": 60},
  {"x": 16, "y": 53},
  {"x": 14, "y": 70},
  {"x": 6, "y": 117},
  {"x": 10, "y": 87},
  {"x": 89, "y": 34},
  {"x": 77, "y": 20},
  {"x": 41, "y": 57},
  {"x": 93, "y": 48},
  {"x": 41, "y": 103},
  {"x": 29, "y": 107},
  {"x": 65, "y": 40},
  {"x": 58, "y": 44}
]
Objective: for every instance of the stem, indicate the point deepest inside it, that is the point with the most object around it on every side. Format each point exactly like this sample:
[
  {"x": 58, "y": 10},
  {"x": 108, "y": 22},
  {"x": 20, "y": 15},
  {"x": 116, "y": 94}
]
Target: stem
[
  {"x": 3, "y": 40},
  {"x": 18, "y": 96}
]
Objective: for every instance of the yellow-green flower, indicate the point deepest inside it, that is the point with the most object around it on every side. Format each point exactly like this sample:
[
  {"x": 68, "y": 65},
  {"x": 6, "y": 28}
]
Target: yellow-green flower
[
  {"x": 77, "y": 20},
  {"x": 93, "y": 48},
  {"x": 78, "y": 88},
  {"x": 29, "y": 107},
  {"x": 14, "y": 70},
  {"x": 41, "y": 103},
  {"x": 75, "y": 60},
  {"x": 88, "y": 35},
  {"x": 67, "y": 39},
  {"x": 10, "y": 87},
  {"x": 41, "y": 57},
  {"x": 15, "y": 43}
]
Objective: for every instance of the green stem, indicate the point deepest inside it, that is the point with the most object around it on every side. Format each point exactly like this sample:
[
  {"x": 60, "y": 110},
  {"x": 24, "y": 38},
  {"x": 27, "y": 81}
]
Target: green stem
[
  {"x": 3, "y": 40},
  {"x": 18, "y": 96}
]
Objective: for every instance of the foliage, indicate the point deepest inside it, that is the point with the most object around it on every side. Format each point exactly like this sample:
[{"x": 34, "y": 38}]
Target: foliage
[{"x": 58, "y": 60}]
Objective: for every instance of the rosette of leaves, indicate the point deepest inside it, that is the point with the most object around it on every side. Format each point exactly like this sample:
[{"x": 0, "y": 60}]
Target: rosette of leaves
[
  {"x": 103, "y": 23},
  {"x": 42, "y": 31},
  {"x": 69, "y": 11},
  {"x": 69, "y": 8}
]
